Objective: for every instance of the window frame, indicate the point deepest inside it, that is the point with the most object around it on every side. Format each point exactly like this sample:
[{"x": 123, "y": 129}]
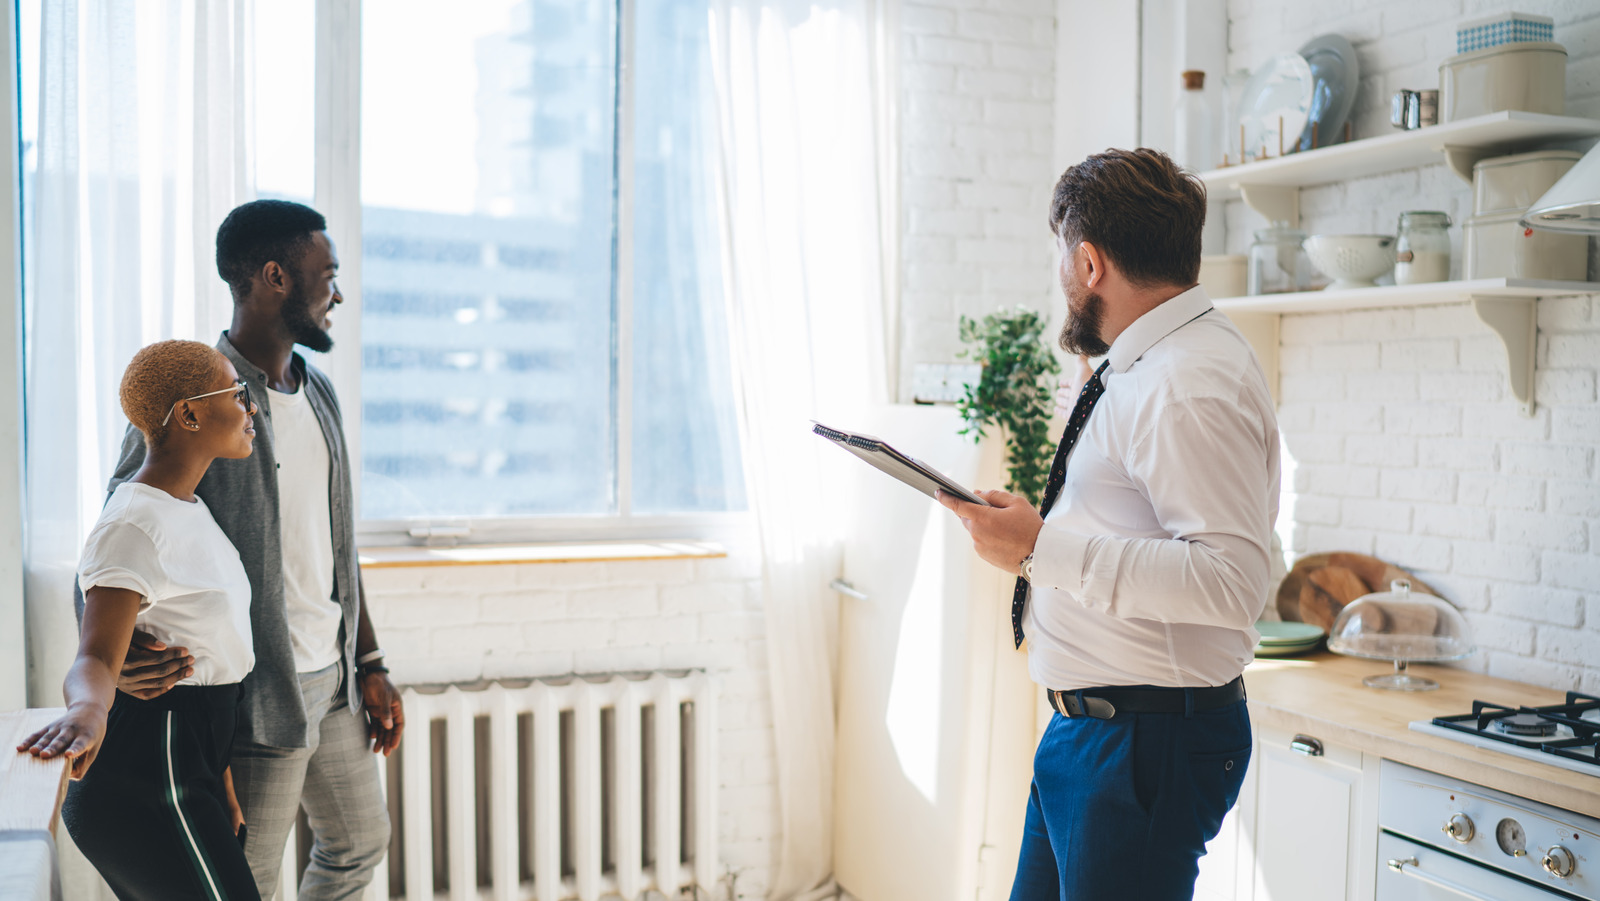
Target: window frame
[{"x": 337, "y": 168}]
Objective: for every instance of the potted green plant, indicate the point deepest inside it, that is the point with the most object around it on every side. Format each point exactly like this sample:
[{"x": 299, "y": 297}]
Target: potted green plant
[{"x": 1013, "y": 392}]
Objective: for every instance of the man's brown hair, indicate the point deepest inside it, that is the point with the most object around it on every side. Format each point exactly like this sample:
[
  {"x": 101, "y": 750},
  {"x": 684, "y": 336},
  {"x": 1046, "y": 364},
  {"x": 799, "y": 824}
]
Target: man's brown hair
[
  {"x": 1142, "y": 211},
  {"x": 161, "y": 375}
]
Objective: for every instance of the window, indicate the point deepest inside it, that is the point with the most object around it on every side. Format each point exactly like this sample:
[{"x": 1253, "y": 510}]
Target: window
[{"x": 541, "y": 333}]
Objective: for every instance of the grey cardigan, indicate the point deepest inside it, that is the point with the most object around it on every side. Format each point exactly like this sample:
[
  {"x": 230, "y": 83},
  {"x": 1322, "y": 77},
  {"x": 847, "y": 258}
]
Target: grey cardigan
[{"x": 243, "y": 497}]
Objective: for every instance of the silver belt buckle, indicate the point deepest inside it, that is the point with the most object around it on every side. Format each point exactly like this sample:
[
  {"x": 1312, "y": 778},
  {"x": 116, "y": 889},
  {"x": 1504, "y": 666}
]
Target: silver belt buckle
[{"x": 1060, "y": 698}]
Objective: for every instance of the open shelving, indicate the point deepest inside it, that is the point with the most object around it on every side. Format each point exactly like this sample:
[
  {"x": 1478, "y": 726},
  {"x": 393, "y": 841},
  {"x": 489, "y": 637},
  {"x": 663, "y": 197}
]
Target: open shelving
[
  {"x": 1430, "y": 294},
  {"x": 1271, "y": 187}
]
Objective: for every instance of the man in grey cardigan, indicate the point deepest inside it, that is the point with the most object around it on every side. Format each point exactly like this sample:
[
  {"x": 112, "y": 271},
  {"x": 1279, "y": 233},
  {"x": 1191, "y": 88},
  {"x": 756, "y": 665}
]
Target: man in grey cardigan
[{"x": 319, "y": 695}]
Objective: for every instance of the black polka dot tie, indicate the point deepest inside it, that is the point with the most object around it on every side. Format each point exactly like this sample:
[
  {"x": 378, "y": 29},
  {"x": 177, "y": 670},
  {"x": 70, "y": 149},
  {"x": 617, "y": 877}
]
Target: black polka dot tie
[{"x": 1087, "y": 398}]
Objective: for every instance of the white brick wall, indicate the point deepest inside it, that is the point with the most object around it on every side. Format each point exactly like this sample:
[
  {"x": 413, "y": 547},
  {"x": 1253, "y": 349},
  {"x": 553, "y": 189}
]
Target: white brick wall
[
  {"x": 977, "y": 87},
  {"x": 1399, "y": 421},
  {"x": 463, "y": 623}
]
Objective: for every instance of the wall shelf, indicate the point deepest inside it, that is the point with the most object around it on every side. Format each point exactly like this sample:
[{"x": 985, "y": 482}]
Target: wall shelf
[
  {"x": 1271, "y": 187},
  {"x": 1431, "y": 294},
  {"x": 1508, "y": 306}
]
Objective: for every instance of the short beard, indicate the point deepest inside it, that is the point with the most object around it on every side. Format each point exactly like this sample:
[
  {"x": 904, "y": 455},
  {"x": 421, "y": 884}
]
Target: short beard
[
  {"x": 1080, "y": 334},
  {"x": 297, "y": 318}
]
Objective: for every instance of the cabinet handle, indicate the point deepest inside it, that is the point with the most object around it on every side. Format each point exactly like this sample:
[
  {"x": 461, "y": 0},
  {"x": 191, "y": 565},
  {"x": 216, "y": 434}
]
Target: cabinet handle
[{"x": 1305, "y": 744}]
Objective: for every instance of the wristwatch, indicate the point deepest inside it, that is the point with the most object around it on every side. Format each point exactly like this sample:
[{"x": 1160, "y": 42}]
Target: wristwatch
[{"x": 1027, "y": 568}]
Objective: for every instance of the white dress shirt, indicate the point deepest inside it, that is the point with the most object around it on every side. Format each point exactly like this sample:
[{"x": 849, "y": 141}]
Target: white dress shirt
[{"x": 1152, "y": 566}]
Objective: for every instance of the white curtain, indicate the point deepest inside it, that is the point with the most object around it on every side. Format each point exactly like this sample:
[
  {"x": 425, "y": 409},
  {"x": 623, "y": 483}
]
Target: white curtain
[
  {"x": 136, "y": 146},
  {"x": 799, "y": 158},
  {"x": 139, "y": 148}
]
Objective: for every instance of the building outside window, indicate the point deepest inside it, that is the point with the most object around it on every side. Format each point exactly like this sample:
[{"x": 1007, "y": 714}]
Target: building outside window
[{"x": 541, "y": 308}]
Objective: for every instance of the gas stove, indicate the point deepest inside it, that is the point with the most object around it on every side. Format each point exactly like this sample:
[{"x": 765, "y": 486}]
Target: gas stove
[{"x": 1565, "y": 735}]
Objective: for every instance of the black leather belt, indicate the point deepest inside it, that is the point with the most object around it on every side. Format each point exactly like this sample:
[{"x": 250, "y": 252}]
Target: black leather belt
[{"x": 1105, "y": 703}]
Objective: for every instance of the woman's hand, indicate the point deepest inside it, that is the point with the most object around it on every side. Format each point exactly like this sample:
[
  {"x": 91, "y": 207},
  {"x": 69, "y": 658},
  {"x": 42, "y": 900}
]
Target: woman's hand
[
  {"x": 1070, "y": 385},
  {"x": 235, "y": 813},
  {"x": 76, "y": 736}
]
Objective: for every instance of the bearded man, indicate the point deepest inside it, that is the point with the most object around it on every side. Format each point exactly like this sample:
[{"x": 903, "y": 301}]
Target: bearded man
[{"x": 1141, "y": 575}]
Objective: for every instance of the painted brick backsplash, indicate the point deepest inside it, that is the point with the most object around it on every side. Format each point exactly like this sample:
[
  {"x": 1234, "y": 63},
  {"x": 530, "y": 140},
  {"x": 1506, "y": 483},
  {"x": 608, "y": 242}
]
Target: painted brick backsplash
[
  {"x": 1405, "y": 440},
  {"x": 977, "y": 87}
]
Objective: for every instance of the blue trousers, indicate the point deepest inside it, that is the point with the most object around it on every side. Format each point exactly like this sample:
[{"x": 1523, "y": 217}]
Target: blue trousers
[{"x": 1121, "y": 809}]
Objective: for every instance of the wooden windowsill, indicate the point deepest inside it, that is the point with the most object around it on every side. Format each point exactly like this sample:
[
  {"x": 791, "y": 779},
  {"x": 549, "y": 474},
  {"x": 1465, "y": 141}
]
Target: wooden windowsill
[{"x": 555, "y": 552}]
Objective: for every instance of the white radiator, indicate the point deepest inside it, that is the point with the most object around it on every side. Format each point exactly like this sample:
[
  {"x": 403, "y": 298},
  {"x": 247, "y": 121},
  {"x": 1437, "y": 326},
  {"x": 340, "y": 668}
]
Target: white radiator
[{"x": 551, "y": 792}]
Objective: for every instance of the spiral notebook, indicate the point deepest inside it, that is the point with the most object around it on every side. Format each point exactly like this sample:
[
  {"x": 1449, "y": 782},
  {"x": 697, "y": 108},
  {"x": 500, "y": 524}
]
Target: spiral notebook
[{"x": 909, "y": 470}]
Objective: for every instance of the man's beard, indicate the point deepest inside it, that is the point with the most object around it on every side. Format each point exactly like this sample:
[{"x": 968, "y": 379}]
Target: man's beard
[
  {"x": 297, "y": 317},
  {"x": 1080, "y": 334}
]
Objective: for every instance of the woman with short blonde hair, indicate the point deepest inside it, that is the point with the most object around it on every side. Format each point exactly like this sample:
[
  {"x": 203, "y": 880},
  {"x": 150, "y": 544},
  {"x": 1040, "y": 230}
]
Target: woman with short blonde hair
[{"x": 156, "y": 813}]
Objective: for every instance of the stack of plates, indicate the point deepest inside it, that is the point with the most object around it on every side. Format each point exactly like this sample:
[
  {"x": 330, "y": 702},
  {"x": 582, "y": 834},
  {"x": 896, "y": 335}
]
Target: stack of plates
[{"x": 1287, "y": 639}]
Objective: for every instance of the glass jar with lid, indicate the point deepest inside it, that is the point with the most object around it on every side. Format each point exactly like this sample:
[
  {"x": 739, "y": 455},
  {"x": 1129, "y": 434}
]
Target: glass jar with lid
[
  {"x": 1422, "y": 251},
  {"x": 1278, "y": 261}
]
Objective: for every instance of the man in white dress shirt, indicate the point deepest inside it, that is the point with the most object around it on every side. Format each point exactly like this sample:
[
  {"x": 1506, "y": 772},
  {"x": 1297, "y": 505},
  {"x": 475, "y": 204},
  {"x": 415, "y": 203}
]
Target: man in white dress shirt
[{"x": 1140, "y": 581}]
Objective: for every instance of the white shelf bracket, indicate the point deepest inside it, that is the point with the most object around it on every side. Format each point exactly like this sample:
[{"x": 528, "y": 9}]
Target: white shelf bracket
[
  {"x": 1462, "y": 159},
  {"x": 1279, "y": 203},
  {"x": 1515, "y": 320}
]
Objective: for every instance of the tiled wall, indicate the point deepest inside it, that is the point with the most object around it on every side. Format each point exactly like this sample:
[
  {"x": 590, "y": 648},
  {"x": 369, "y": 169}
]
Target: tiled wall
[
  {"x": 977, "y": 87},
  {"x": 464, "y": 623},
  {"x": 1406, "y": 442}
]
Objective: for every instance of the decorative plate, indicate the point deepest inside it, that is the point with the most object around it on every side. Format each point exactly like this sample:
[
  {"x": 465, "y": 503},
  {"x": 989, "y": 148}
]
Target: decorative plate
[
  {"x": 1335, "y": 76},
  {"x": 1279, "y": 633},
  {"x": 1279, "y": 92}
]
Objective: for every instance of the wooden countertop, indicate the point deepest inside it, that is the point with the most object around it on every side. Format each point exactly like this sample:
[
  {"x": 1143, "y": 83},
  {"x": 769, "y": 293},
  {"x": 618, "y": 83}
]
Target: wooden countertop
[{"x": 1322, "y": 695}]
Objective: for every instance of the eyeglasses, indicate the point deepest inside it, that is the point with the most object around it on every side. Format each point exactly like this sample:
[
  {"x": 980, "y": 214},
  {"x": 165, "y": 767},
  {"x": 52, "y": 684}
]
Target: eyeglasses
[{"x": 240, "y": 389}]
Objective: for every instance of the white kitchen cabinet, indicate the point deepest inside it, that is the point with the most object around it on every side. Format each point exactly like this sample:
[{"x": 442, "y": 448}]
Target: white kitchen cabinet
[
  {"x": 1305, "y": 827},
  {"x": 1316, "y": 820}
]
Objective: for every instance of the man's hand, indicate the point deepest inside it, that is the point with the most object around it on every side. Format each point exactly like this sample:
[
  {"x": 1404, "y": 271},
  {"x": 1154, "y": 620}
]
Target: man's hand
[
  {"x": 1003, "y": 533},
  {"x": 151, "y": 668},
  {"x": 385, "y": 717},
  {"x": 1070, "y": 385}
]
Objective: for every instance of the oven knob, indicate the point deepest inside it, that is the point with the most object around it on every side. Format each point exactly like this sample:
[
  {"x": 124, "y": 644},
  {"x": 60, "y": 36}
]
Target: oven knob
[
  {"x": 1460, "y": 828},
  {"x": 1558, "y": 862}
]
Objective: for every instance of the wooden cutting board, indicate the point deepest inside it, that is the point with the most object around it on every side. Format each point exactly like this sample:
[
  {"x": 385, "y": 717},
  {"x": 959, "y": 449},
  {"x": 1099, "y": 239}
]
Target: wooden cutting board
[{"x": 1320, "y": 585}]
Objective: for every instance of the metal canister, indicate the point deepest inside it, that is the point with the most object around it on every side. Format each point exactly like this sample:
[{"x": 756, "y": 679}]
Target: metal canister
[
  {"x": 1428, "y": 108},
  {"x": 1401, "y": 107}
]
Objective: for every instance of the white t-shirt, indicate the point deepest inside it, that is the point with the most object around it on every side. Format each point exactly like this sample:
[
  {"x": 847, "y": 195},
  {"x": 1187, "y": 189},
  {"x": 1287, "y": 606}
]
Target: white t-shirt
[
  {"x": 196, "y": 593},
  {"x": 306, "y": 526}
]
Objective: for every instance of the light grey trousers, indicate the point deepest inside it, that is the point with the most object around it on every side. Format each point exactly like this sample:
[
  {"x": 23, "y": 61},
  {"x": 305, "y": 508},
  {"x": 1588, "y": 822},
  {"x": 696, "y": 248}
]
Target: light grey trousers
[{"x": 335, "y": 780}]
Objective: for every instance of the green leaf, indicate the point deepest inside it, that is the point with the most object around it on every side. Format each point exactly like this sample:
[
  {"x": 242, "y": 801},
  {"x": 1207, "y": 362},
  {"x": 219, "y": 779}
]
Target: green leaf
[{"x": 1013, "y": 392}]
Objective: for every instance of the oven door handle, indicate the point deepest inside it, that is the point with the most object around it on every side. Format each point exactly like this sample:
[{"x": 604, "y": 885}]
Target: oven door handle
[{"x": 1408, "y": 866}]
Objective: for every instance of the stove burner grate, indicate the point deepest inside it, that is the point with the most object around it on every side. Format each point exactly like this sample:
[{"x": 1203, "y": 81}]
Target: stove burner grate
[
  {"x": 1531, "y": 724},
  {"x": 1570, "y": 730}
]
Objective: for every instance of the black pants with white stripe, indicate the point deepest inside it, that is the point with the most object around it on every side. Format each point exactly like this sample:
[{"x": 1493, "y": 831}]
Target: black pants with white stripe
[{"x": 151, "y": 814}]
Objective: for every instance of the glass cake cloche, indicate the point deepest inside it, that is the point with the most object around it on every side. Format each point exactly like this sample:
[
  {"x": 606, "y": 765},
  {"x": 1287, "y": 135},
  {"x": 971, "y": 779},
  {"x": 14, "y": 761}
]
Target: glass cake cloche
[{"x": 1404, "y": 627}]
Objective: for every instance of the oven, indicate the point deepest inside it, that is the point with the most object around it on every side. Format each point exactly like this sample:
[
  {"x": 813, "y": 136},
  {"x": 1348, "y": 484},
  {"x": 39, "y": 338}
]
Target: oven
[{"x": 1445, "y": 839}]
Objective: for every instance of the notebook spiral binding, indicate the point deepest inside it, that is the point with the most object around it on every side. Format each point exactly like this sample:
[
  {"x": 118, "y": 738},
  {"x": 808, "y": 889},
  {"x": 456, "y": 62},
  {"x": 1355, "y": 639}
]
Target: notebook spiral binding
[{"x": 851, "y": 440}]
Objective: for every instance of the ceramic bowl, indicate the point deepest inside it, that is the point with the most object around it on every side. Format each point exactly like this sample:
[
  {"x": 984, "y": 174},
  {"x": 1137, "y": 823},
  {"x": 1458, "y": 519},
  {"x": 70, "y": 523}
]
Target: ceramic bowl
[{"x": 1352, "y": 261}]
